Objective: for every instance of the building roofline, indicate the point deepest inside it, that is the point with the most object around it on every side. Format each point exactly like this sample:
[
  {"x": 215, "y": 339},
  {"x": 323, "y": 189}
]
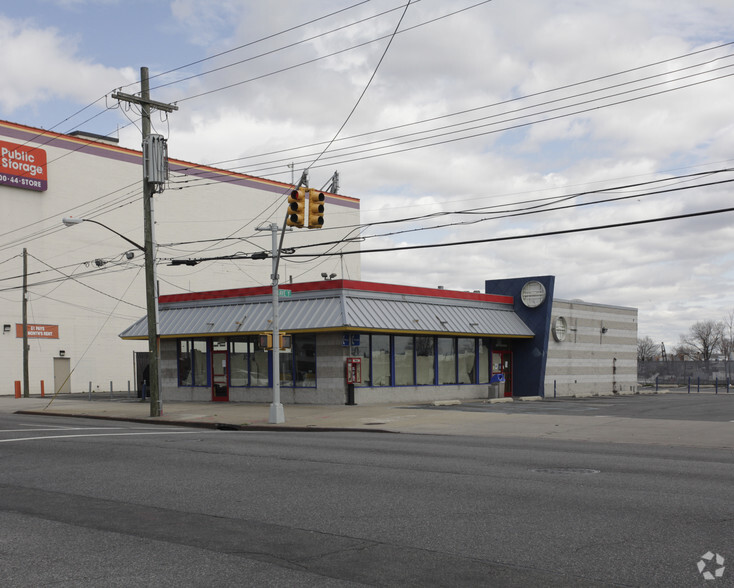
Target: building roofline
[
  {"x": 78, "y": 142},
  {"x": 337, "y": 286}
]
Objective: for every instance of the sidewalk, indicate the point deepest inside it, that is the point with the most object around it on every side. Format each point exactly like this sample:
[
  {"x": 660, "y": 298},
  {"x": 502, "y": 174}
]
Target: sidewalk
[{"x": 393, "y": 418}]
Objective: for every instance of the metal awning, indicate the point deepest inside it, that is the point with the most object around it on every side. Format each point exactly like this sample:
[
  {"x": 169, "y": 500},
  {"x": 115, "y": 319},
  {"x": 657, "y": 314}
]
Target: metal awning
[{"x": 346, "y": 311}]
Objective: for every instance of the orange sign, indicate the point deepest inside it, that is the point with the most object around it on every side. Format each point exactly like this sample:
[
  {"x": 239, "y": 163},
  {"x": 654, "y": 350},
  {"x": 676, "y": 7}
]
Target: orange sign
[
  {"x": 39, "y": 331},
  {"x": 23, "y": 166}
]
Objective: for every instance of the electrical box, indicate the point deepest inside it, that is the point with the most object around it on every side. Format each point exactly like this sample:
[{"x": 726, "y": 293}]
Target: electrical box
[{"x": 155, "y": 160}]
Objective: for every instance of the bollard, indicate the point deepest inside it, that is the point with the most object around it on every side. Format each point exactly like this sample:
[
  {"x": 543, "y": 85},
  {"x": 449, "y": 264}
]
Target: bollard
[
  {"x": 689, "y": 384},
  {"x": 17, "y": 388},
  {"x": 554, "y": 388},
  {"x": 716, "y": 385},
  {"x": 656, "y": 384},
  {"x": 90, "y": 391},
  {"x": 128, "y": 389},
  {"x": 698, "y": 385},
  {"x": 110, "y": 389},
  {"x": 43, "y": 389}
]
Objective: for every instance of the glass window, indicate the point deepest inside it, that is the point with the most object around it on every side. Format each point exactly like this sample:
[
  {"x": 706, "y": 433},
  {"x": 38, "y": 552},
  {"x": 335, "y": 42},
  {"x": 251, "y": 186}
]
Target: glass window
[
  {"x": 403, "y": 360},
  {"x": 239, "y": 362},
  {"x": 304, "y": 357},
  {"x": 425, "y": 361},
  {"x": 381, "y": 360},
  {"x": 185, "y": 375},
  {"x": 446, "y": 360},
  {"x": 193, "y": 365},
  {"x": 285, "y": 360},
  {"x": 467, "y": 360},
  {"x": 363, "y": 352},
  {"x": 200, "y": 363},
  {"x": 259, "y": 366},
  {"x": 484, "y": 361}
]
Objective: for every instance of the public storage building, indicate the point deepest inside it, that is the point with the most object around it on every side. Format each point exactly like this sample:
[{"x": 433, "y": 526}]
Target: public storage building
[
  {"x": 410, "y": 343},
  {"x": 86, "y": 284}
]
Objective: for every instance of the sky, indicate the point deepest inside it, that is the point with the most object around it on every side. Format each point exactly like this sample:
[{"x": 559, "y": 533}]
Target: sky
[{"x": 489, "y": 123}]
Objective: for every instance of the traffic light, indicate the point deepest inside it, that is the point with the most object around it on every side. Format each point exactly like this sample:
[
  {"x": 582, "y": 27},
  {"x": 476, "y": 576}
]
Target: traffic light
[
  {"x": 296, "y": 207},
  {"x": 316, "y": 200}
]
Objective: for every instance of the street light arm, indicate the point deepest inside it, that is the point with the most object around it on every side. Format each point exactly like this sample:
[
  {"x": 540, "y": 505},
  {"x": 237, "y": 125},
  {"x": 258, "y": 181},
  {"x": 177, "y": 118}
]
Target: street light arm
[{"x": 70, "y": 221}]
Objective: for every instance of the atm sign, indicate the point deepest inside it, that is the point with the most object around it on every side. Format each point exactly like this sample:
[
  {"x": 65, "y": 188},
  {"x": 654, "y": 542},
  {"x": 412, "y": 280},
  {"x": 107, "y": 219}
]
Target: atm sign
[{"x": 23, "y": 166}]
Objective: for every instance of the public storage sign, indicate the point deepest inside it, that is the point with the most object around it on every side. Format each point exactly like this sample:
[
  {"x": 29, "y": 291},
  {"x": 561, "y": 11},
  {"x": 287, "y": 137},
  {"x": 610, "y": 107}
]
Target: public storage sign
[
  {"x": 23, "y": 166},
  {"x": 38, "y": 331}
]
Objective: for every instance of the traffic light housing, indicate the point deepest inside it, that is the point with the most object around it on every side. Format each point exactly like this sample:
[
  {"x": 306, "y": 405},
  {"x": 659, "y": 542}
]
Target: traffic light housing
[
  {"x": 296, "y": 207},
  {"x": 316, "y": 200}
]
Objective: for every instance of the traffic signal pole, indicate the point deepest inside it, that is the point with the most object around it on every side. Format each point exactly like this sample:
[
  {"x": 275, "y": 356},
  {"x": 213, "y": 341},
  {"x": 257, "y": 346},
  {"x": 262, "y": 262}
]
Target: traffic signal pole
[{"x": 277, "y": 414}]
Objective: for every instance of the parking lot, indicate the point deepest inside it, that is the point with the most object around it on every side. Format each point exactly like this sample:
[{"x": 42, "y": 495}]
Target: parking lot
[{"x": 704, "y": 406}]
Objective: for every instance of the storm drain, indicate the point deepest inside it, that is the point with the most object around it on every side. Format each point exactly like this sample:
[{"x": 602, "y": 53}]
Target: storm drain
[{"x": 566, "y": 471}]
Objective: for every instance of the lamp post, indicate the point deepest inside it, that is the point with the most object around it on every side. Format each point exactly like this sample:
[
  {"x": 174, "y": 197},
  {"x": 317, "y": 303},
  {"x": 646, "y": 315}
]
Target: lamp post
[{"x": 152, "y": 310}]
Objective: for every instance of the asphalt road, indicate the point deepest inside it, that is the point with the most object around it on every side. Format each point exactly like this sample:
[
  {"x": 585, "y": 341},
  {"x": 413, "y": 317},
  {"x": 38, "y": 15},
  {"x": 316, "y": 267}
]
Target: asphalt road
[{"x": 84, "y": 503}]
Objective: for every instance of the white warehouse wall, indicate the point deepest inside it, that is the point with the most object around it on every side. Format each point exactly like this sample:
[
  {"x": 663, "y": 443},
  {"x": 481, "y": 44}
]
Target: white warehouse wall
[{"x": 91, "y": 305}]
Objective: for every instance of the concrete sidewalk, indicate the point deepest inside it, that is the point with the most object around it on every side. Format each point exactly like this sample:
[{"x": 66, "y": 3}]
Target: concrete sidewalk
[{"x": 394, "y": 418}]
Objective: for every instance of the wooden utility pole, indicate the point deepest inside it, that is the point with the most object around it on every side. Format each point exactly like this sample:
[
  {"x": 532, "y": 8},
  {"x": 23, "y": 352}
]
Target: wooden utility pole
[
  {"x": 26, "y": 378},
  {"x": 151, "y": 296}
]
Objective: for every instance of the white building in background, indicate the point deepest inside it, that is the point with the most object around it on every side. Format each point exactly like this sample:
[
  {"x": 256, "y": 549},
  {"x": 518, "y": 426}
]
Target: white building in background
[{"x": 84, "y": 288}]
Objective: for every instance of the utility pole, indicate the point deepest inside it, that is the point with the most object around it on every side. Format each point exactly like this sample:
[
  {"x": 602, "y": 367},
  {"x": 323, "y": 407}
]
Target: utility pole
[
  {"x": 26, "y": 378},
  {"x": 151, "y": 296}
]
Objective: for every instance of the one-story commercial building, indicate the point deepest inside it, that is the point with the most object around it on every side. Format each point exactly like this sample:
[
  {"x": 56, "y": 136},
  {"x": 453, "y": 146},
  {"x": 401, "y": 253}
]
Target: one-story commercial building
[{"x": 391, "y": 343}]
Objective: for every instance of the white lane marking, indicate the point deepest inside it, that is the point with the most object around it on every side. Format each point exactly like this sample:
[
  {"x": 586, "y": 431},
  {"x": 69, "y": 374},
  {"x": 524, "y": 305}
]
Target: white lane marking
[
  {"x": 98, "y": 435},
  {"x": 61, "y": 429}
]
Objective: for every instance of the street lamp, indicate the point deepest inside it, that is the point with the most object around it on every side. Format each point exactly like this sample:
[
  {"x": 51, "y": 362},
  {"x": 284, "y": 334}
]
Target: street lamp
[{"x": 152, "y": 312}]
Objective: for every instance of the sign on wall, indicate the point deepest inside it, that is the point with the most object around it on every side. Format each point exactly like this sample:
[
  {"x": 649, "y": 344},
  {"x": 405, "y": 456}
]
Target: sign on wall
[
  {"x": 38, "y": 331},
  {"x": 23, "y": 166}
]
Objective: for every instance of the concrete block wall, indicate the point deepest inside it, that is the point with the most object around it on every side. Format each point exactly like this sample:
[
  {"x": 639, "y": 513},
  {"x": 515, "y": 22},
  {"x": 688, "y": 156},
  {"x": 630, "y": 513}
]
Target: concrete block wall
[{"x": 599, "y": 353}]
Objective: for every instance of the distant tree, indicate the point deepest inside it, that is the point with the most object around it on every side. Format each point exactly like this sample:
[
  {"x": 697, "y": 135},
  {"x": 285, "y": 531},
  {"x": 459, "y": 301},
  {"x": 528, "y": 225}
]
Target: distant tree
[
  {"x": 683, "y": 352},
  {"x": 647, "y": 349},
  {"x": 704, "y": 337},
  {"x": 727, "y": 340}
]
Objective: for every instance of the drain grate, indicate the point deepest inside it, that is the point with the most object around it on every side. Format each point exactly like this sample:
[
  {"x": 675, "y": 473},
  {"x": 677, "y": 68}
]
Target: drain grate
[{"x": 568, "y": 471}]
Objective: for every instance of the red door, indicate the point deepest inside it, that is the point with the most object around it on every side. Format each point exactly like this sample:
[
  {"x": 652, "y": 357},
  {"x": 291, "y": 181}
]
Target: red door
[
  {"x": 507, "y": 371},
  {"x": 220, "y": 376}
]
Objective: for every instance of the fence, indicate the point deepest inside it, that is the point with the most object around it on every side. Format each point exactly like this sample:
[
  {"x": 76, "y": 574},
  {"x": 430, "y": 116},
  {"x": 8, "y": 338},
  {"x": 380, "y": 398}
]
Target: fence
[{"x": 685, "y": 373}]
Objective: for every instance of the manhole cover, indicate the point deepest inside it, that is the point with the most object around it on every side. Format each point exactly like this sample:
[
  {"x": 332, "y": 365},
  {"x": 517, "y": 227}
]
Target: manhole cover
[{"x": 576, "y": 471}]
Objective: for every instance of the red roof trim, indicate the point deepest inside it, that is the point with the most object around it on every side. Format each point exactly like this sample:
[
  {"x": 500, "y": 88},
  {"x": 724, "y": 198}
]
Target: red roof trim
[{"x": 326, "y": 285}]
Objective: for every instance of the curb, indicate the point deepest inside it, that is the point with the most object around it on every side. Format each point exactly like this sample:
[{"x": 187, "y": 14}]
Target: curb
[{"x": 212, "y": 426}]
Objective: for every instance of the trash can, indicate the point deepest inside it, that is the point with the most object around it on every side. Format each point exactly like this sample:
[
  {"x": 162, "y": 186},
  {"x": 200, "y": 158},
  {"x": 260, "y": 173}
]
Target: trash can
[{"x": 497, "y": 386}]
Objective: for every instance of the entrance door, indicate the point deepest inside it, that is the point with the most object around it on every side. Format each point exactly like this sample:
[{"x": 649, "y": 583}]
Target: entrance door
[
  {"x": 507, "y": 371},
  {"x": 220, "y": 387},
  {"x": 62, "y": 378}
]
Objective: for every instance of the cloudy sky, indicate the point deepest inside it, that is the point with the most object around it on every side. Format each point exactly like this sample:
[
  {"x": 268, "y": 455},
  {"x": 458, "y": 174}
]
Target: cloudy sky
[{"x": 468, "y": 121}]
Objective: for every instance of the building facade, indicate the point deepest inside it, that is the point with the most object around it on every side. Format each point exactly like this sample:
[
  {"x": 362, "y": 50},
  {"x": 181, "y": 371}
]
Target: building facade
[
  {"x": 85, "y": 284},
  {"x": 373, "y": 343}
]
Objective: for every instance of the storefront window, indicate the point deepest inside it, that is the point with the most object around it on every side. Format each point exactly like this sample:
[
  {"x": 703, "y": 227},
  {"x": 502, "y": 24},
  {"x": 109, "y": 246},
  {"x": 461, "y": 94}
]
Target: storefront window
[
  {"x": 362, "y": 351},
  {"x": 259, "y": 367},
  {"x": 467, "y": 360},
  {"x": 403, "y": 360},
  {"x": 381, "y": 360},
  {"x": 483, "y": 359},
  {"x": 304, "y": 357},
  {"x": 446, "y": 360},
  {"x": 193, "y": 367},
  {"x": 286, "y": 368},
  {"x": 425, "y": 361},
  {"x": 239, "y": 362}
]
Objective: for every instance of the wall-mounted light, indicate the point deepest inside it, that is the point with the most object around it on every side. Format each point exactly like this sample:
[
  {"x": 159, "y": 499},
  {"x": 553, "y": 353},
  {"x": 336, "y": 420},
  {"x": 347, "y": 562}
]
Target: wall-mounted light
[
  {"x": 328, "y": 276},
  {"x": 62, "y": 353},
  {"x": 604, "y": 329},
  {"x": 6, "y": 329}
]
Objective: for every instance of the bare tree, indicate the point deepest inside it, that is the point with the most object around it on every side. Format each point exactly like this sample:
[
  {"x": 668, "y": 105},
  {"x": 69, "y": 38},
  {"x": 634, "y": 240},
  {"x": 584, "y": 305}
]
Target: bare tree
[
  {"x": 704, "y": 337},
  {"x": 727, "y": 339},
  {"x": 647, "y": 349}
]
